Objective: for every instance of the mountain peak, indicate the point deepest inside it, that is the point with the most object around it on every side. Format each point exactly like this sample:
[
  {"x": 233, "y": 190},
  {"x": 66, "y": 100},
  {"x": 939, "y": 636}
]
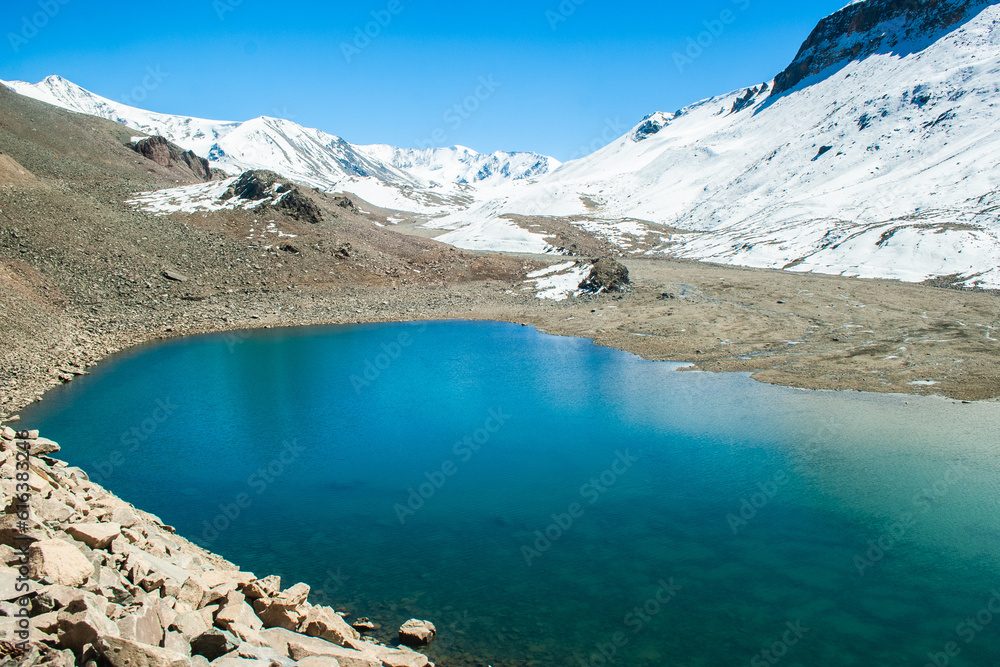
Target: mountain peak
[{"x": 866, "y": 27}]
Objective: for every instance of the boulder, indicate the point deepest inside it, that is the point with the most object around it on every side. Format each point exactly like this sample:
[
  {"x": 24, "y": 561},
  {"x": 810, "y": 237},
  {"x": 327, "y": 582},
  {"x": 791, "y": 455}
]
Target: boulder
[
  {"x": 236, "y": 610},
  {"x": 8, "y": 584},
  {"x": 43, "y": 447},
  {"x": 325, "y": 623},
  {"x": 246, "y": 634},
  {"x": 215, "y": 578},
  {"x": 125, "y": 653},
  {"x": 274, "y": 615},
  {"x": 95, "y": 535},
  {"x": 142, "y": 624},
  {"x": 417, "y": 633},
  {"x": 193, "y": 592},
  {"x": 319, "y": 661},
  {"x": 189, "y": 625},
  {"x": 263, "y": 652},
  {"x": 60, "y": 562},
  {"x": 398, "y": 657},
  {"x": 293, "y": 597},
  {"x": 13, "y": 534},
  {"x": 125, "y": 516},
  {"x": 300, "y": 648},
  {"x": 8, "y": 433},
  {"x": 262, "y": 588},
  {"x": 175, "y": 641},
  {"x": 607, "y": 275},
  {"x": 213, "y": 644},
  {"x": 75, "y": 631}
]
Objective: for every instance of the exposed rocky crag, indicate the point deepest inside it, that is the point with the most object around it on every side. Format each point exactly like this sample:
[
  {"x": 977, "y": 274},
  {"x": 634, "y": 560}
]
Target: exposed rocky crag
[
  {"x": 87, "y": 579},
  {"x": 166, "y": 154},
  {"x": 285, "y": 196},
  {"x": 864, "y": 28},
  {"x": 606, "y": 276}
]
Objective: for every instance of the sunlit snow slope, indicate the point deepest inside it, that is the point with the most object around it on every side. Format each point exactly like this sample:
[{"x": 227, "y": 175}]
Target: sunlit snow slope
[{"x": 879, "y": 156}]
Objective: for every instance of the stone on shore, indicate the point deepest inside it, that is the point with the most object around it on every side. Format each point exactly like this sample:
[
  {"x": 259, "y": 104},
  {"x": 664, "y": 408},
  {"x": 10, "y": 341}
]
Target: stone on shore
[
  {"x": 126, "y": 653},
  {"x": 417, "y": 633},
  {"x": 60, "y": 562},
  {"x": 325, "y": 623},
  {"x": 95, "y": 535}
]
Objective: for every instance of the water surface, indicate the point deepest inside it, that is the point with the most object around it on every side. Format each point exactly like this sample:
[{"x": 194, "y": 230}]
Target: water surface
[{"x": 550, "y": 502}]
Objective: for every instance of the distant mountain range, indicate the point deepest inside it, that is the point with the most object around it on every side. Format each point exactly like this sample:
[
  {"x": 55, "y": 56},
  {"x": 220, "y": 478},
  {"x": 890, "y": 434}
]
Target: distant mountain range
[
  {"x": 431, "y": 181},
  {"x": 873, "y": 154}
]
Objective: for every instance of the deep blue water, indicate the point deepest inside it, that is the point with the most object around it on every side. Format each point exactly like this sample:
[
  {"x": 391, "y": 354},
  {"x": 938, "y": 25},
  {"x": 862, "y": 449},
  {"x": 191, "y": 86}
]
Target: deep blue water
[{"x": 692, "y": 519}]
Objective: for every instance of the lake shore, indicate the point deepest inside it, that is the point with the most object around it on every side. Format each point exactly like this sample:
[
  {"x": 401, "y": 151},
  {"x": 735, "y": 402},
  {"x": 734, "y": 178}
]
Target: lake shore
[{"x": 806, "y": 331}]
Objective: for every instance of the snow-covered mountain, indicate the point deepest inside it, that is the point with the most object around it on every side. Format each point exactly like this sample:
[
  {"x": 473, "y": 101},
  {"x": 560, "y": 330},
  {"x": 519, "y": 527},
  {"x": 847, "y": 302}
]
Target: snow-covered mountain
[
  {"x": 876, "y": 153},
  {"x": 422, "y": 181}
]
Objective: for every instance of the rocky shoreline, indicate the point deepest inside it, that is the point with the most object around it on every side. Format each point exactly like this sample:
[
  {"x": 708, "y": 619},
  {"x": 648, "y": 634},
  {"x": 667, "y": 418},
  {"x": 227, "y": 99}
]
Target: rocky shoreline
[{"x": 88, "y": 579}]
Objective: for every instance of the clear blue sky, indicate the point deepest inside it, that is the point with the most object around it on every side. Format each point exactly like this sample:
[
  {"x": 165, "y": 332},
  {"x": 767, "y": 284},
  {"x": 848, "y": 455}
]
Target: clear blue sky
[{"x": 567, "y": 73}]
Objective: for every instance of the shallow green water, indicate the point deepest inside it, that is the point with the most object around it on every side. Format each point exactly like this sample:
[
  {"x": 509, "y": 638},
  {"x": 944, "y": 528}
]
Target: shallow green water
[{"x": 692, "y": 519}]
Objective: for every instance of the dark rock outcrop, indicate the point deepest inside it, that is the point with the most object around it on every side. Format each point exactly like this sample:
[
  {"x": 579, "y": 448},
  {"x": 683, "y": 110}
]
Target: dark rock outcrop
[
  {"x": 169, "y": 155},
  {"x": 258, "y": 185},
  {"x": 606, "y": 276},
  {"x": 862, "y": 29}
]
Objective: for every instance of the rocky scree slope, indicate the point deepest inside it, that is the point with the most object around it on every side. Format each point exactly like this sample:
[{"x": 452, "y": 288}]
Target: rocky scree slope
[{"x": 111, "y": 586}]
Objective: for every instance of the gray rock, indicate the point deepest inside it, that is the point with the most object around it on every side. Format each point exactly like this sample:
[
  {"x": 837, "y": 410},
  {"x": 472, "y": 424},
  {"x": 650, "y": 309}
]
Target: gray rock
[
  {"x": 125, "y": 653},
  {"x": 292, "y": 597},
  {"x": 325, "y": 623},
  {"x": 417, "y": 633},
  {"x": 75, "y": 631},
  {"x": 175, "y": 276},
  {"x": 142, "y": 624},
  {"x": 43, "y": 447},
  {"x": 213, "y": 644},
  {"x": 189, "y": 625},
  {"x": 274, "y": 615},
  {"x": 125, "y": 516},
  {"x": 262, "y": 588},
  {"x": 60, "y": 561},
  {"x": 8, "y": 584},
  {"x": 606, "y": 276},
  {"x": 95, "y": 535},
  {"x": 174, "y": 641}
]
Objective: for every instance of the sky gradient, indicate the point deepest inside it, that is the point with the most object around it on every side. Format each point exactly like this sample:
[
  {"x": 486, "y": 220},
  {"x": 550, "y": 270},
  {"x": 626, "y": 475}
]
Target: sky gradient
[{"x": 558, "y": 78}]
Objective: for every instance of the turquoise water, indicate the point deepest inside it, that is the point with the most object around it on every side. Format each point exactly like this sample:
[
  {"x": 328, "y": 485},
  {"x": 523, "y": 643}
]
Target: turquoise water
[{"x": 549, "y": 502}]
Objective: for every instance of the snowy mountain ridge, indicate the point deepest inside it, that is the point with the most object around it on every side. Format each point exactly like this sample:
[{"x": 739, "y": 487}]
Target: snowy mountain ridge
[
  {"x": 879, "y": 164},
  {"x": 426, "y": 181}
]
